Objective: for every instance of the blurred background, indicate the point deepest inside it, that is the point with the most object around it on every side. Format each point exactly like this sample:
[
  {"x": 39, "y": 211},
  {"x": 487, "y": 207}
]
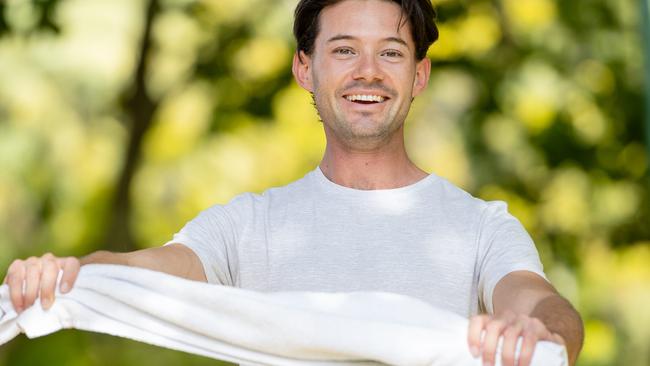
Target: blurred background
[{"x": 120, "y": 120}]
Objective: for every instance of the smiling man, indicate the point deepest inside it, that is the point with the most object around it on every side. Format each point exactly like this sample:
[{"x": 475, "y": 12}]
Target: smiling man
[
  {"x": 367, "y": 218},
  {"x": 363, "y": 69}
]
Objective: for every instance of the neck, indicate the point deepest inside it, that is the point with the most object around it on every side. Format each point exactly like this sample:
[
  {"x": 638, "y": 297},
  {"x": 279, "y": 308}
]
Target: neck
[{"x": 383, "y": 167}]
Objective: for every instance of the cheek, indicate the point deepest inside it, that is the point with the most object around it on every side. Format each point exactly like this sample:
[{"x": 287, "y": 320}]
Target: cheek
[
  {"x": 332, "y": 73},
  {"x": 326, "y": 86},
  {"x": 399, "y": 76}
]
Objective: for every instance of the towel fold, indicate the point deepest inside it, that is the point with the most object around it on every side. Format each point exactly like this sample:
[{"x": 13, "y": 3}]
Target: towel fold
[{"x": 255, "y": 328}]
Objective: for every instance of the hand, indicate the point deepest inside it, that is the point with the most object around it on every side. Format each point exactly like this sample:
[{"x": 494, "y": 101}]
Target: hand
[
  {"x": 511, "y": 326},
  {"x": 39, "y": 275}
]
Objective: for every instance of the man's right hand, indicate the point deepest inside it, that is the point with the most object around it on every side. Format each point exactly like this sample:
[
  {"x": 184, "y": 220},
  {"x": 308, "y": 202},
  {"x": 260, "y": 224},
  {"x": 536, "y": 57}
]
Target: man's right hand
[{"x": 27, "y": 279}]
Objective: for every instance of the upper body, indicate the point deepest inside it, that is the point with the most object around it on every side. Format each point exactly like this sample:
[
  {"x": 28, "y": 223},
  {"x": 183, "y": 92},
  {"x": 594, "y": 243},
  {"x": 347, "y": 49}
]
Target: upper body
[
  {"x": 364, "y": 61},
  {"x": 430, "y": 240}
]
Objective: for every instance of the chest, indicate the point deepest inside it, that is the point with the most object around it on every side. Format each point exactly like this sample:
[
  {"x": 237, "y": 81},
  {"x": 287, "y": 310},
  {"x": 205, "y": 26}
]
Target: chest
[{"x": 426, "y": 256}]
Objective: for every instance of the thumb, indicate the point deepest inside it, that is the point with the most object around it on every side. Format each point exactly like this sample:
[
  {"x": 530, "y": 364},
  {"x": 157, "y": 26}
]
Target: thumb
[{"x": 556, "y": 338}]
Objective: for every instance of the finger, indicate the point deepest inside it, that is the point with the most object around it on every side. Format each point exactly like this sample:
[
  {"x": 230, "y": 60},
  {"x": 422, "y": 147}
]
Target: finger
[
  {"x": 527, "y": 348},
  {"x": 509, "y": 345},
  {"x": 476, "y": 325},
  {"x": 32, "y": 281},
  {"x": 48, "y": 282},
  {"x": 13, "y": 267},
  {"x": 557, "y": 339},
  {"x": 15, "y": 280},
  {"x": 71, "y": 266},
  {"x": 493, "y": 330}
]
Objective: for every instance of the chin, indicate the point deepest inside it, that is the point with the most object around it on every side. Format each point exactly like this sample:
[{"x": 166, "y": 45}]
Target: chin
[{"x": 371, "y": 133}]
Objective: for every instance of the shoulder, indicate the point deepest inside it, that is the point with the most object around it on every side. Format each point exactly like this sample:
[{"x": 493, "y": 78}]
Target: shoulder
[
  {"x": 458, "y": 206},
  {"x": 453, "y": 198},
  {"x": 249, "y": 202}
]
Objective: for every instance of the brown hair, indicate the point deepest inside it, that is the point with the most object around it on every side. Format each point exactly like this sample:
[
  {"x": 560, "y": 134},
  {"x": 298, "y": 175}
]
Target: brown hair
[{"x": 419, "y": 13}]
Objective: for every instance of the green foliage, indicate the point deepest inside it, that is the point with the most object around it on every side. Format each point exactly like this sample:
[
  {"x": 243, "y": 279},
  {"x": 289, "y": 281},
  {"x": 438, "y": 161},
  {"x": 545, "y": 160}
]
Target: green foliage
[{"x": 535, "y": 102}]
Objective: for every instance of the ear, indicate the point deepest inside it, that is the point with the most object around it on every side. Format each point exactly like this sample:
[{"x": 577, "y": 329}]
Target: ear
[
  {"x": 422, "y": 72},
  {"x": 301, "y": 69}
]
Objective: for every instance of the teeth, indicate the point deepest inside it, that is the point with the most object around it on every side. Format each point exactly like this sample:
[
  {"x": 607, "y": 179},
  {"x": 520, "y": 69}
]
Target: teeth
[{"x": 365, "y": 98}]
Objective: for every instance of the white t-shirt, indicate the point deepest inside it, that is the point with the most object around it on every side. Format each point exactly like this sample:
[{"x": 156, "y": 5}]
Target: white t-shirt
[{"x": 430, "y": 240}]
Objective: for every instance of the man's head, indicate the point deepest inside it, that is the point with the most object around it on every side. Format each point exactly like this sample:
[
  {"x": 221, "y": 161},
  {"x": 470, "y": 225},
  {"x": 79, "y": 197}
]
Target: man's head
[
  {"x": 364, "y": 61},
  {"x": 418, "y": 13}
]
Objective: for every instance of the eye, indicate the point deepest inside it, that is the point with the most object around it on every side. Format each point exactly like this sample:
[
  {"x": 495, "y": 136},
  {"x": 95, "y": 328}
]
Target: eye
[
  {"x": 392, "y": 53},
  {"x": 343, "y": 51}
]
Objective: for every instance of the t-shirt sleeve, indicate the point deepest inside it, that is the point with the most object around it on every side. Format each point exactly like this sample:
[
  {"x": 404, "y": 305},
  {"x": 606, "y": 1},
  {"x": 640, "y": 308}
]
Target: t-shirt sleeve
[
  {"x": 212, "y": 235},
  {"x": 504, "y": 247}
]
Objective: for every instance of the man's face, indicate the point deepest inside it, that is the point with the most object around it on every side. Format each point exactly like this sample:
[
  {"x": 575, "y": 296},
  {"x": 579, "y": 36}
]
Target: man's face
[{"x": 363, "y": 71}]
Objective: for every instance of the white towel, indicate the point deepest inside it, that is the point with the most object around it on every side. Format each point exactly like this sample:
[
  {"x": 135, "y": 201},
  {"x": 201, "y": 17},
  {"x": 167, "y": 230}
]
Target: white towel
[{"x": 255, "y": 328}]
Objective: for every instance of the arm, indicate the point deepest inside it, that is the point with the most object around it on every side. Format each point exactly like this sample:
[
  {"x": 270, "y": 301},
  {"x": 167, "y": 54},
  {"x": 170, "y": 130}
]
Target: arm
[
  {"x": 527, "y": 293},
  {"x": 174, "y": 259},
  {"x": 38, "y": 275},
  {"x": 526, "y": 305}
]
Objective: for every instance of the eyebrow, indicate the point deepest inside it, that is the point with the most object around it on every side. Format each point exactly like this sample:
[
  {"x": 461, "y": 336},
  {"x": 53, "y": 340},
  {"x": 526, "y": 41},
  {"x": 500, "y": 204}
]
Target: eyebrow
[{"x": 351, "y": 38}]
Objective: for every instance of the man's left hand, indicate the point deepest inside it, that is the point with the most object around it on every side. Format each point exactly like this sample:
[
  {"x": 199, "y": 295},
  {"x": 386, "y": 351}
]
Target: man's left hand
[{"x": 511, "y": 326}]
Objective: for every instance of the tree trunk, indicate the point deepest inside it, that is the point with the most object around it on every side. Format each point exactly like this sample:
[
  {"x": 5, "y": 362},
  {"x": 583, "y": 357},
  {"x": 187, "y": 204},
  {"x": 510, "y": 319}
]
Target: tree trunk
[{"x": 140, "y": 109}]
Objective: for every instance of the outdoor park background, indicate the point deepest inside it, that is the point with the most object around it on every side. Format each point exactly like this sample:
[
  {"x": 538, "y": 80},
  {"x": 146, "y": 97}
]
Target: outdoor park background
[{"x": 120, "y": 120}]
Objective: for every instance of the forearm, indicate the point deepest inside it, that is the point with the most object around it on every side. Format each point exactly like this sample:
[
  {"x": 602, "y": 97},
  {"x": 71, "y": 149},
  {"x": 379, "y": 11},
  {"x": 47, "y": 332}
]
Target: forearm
[
  {"x": 104, "y": 257},
  {"x": 175, "y": 259},
  {"x": 560, "y": 317}
]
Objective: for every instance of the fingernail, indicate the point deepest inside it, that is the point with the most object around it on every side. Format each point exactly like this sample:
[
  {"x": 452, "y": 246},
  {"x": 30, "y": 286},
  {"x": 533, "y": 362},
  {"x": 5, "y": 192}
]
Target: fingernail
[
  {"x": 46, "y": 303},
  {"x": 65, "y": 287},
  {"x": 474, "y": 351}
]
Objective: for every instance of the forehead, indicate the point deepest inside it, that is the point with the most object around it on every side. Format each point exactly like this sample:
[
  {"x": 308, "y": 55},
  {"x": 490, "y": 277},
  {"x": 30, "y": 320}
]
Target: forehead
[{"x": 364, "y": 19}]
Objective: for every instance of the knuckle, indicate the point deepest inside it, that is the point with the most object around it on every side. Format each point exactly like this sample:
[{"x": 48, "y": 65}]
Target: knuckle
[
  {"x": 512, "y": 332},
  {"x": 495, "y": 325},
  {"x": 30, "y": 297},
  {"x": 525, "y": 355},
  {"x": 16, "y": 263},
  {"x": 473, "y": 337},
  {"x": 30, "y": 265},
  {"x": 535, "y": 329},
  {"x": 33, "y": 274},
  {"x": 508, "y": 358},
  {"x": 488, "y": 357},
  {"x": 47, "y": 292},
  {"x": 16, "y": 297},
  {"x": 72, "y": 261},
  {"x": 50, "y": 266},
  {"x": 49, "y": 272},
  {"x": 474, "y": 322},
  {"x": 16, "y": 292},
  {"x": 529, "y": 340},
  {"x": 33, "y": 269},
  {"x": 13, "y": 279}
]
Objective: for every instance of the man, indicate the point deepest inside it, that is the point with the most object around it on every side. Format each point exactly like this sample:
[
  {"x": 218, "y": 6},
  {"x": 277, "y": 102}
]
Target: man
[{"x": 367, "y": 218}]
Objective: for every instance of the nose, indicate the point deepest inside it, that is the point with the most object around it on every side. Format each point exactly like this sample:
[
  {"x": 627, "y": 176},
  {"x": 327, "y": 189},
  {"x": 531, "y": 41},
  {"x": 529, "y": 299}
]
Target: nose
[{"x": 368, "y": 69}]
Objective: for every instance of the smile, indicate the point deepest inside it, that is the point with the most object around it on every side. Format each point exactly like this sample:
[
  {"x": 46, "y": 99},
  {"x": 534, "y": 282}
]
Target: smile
[{"x": 365, "y": 98}]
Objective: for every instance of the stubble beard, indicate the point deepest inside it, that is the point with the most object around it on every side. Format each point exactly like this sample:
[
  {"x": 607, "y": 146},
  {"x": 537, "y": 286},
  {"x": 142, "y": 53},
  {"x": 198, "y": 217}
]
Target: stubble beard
[{"x": 365, "y": 133}]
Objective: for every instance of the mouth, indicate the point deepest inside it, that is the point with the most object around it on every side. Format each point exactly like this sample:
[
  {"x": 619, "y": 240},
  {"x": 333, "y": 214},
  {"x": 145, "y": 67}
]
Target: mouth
[{"x": 365, "y": 98}]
